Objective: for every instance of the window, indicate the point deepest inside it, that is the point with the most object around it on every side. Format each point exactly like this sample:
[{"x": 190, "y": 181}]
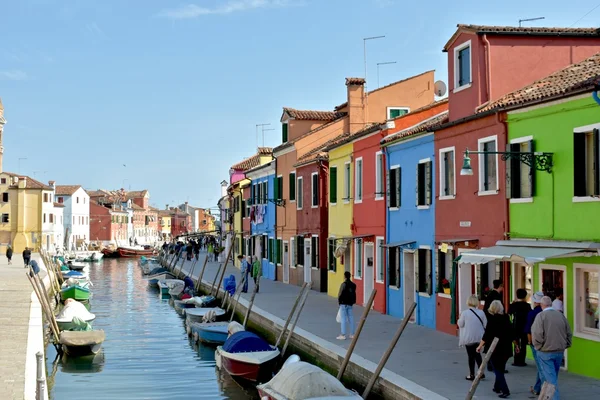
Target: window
[
  {"x": 483, "y": 280},
  {"x": 60, "y": 200},
  {"x": 462, "y": 66},
  {"x": 44, "y": 218},
  {"x": 333, "y": 185},
  {"x": 393, "y": 270},
  {"x": 45, "y": 197},
  {"x": 395, "y": 112},
  {"x": 314, "y": 186},
  {"x": 278, "y": 181},
  {"x": 5, "y": 197},
  {"x": 279, "y": 251},
  {"x": 84, "y": 200},
  {"x": 443, "y": 269},
  {"x": 284, "y": 132},
  {"x": 358, "y": 185},
  {"x": 292, "y": 184},
  {"x": 424, "y": 271},
  {"x": 271, "y": 252},
  {"x": 51, "y": 218},
  {"x": 300, "y": 250},
  {"x": 300, "y": 194},
  {"x": 358, "y": 258},
  {"x": 586, "y": 157},
  {"x": 447, "y": 173},
  {"x": 331, "y": 255},
  {"x": 4, "y": 218},
  {"x": 379, "y": 259},
  {"x": 73, "y": 220},
  {"x": 314, "y": 256},
  {"x": 259, "y": 193},
  {"x": 346, "y": 182},
  {"x": 265, "y": 192},
  {"x": 488, "y": 166},
  {"x": 587, "y": 292},
  {"x": 424, "y": 183},
  {"x": 520, "y": 177},
  {"x": 77, "y": 200},
  {"x": 379, "y": 171},
  {"x": 3, "y": 181},
  {"x": 394, "y": 184},
  {"x": 244, "y": 215}
]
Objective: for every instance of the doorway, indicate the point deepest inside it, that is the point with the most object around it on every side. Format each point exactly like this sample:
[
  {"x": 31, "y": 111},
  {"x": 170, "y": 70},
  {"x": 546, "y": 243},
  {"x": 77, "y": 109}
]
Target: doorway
[
  {"x": 522, "y": 278},
  {"x": 347, "y": 262},
  {"x": 409, "y": 282},
  {"x": 307, "y": 260},
  {"x": 286, "y": 263},
  {"x": 553, "y": 277},
  {"x": 368, "y": 274}
]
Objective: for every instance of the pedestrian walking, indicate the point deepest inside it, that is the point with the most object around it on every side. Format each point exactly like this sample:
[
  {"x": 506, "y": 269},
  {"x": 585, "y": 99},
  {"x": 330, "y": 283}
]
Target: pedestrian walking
[
  {"x": 211, "y": 250},
  {"x": 472, "y": 323},
  {"x": 256, "y": 272},
  {"x": 26, "y": 256},
  {"x": 9, "y": 253},
  {"x": 346, "y": 299},
  {"x": 519, "y": 310},
  {"x": 494, "y": 294},
  {"x": 244, "y": 272},
  {"x": 499, "y": 326},
  {"x": 551, "y": 336},
  {"x": 536, "y": 298}
]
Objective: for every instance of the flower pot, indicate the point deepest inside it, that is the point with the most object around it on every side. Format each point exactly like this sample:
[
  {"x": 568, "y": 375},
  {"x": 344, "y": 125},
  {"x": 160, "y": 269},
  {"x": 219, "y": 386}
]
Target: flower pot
[{"x": 447, "y": 290}]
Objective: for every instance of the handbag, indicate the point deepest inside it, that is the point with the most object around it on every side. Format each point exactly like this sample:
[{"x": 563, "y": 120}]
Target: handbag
[{"x": 338, "y": 318}]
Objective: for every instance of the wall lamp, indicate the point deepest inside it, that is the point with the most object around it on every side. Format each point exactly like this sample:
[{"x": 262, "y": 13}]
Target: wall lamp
[{"x": 538, "y": 161}]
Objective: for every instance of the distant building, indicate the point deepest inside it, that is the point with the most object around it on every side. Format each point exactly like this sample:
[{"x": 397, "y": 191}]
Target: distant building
[{"x": 76, "y": 214}]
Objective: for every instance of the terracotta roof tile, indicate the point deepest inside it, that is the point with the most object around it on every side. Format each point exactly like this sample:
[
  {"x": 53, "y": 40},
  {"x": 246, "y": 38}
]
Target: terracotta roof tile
[
  {"x": 66, "y": 190},
  {"x": 136, "y": 207},
  {"x": 311, "y": 115},
  {"x": 320, "y": 152},
  {"x": 425, "y": 126},
  {"x": 355, "y": 81},
  {"x": 136, "y": 194},
  {"x": 32, "y": 183},
  {"x": 264, "y": 150},
  {"x": 253, "y": 161},
  {"x": 582, "y": 75}
]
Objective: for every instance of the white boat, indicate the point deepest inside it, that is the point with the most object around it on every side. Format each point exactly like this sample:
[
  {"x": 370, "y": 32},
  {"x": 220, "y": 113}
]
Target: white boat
[
  {"x": 76, "y": 266},
  {"x": 154, "y": 279},
  {"x": 196, "y": 314},
  {"x": 71, "y": 310}
]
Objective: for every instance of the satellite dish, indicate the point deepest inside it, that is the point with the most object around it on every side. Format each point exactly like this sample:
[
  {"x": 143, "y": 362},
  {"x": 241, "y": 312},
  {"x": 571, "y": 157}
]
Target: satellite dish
[{"x": 439, "y": 88}]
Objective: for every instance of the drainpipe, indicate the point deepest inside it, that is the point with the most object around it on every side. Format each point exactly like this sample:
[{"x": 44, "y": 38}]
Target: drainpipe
[
  {"x": 595, "y": 95},
  {"x": 489, "y": 68}
]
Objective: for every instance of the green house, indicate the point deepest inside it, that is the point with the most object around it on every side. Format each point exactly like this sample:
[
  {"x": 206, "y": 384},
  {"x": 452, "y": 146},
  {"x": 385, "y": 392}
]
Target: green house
[{"x": 553, "y": 192}]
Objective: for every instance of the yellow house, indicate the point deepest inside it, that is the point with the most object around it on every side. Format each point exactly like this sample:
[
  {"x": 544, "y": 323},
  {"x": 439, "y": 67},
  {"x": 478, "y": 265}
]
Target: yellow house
[
  {"x": 340, "y": 215},
  {"x": 165, "y": 224}
]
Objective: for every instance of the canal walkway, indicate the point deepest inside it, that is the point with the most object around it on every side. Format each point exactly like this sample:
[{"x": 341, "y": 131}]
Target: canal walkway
[
  {"x": 427, "y": 363},
  {"x": 21, "y": 332}
]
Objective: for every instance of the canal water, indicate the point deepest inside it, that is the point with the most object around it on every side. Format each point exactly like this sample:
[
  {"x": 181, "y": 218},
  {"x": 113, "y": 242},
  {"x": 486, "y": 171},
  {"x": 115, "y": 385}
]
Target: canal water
[{"x": 147, "y": 353}]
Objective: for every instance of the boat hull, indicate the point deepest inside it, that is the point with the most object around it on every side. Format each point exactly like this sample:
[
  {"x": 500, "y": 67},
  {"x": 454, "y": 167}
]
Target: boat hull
[
  {"x": 75, "y": 292},
  {"x": 68, "y": 325},
  {"x": 131, "y": 253},
  {"x": 246, "y": 369},
  {"x": 212, "y": 333},
  {"x": 80, "y": 351}
]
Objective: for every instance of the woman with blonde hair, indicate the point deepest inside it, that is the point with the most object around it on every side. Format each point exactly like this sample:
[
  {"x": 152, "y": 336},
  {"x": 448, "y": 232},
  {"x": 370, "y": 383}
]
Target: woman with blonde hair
[
  {"x": 499, "y": 326},
  {"x": 472, "y": 324}
]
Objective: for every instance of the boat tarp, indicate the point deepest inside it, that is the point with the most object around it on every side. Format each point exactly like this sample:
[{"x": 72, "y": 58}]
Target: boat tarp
[
  {"x": 245, "y": 342},
  {"x": 81, "y": 338},
  {"x": 158, "y": 271},
  {"x": 74, "y": 309},
  {"x": 301, "y": 380}
]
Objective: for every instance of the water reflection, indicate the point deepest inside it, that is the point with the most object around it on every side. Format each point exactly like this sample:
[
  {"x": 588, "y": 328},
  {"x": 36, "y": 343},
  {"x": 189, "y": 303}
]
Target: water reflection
[{"x": 146, "y": 355}]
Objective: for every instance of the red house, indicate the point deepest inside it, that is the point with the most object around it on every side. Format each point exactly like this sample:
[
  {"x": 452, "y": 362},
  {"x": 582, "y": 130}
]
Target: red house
[
  {"x": 181, "y": 223},
  {"x": 108, "y": 218},
  {"x": 485, "y": 63}
]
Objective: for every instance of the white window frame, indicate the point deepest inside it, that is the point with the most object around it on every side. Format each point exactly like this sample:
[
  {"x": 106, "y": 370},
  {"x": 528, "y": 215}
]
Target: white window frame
[
  {"x": 389, "y": 109},
  {"x": 299, "y": 189},
  {"x": 358, "y": 181},
  {"x": 347, "y": 182},
  {"x": 379, "y": 172},
  {"x": 480, "y": 161},
  {"x": 379, "y": 251},
  {"x": 443, "y": 175},
  {"x": 585, "y": 129},
  {"x": 312, "y": 190},
  {"x": 520, "y": 140},
  {"x": 585, "y": 333},
  {"x": 358, "y": 243},
  {"x": 457, "y": 50}
]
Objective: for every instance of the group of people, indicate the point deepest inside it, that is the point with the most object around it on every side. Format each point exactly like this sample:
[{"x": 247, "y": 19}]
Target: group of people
[
  {"x": 250, "y": 267},
  {"x": 192, "y": 248},
  {"x": 543, "y": 328},
  {"x": 26, "y": 255}
]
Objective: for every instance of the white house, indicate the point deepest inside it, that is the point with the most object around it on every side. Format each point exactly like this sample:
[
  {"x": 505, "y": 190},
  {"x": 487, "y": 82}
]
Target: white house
[
  {"x": 48, "y": 218},
  {"x": 194, "y": 212},
  {"x": 76, "y": 214},
  {"x": 59, "y": 228}
]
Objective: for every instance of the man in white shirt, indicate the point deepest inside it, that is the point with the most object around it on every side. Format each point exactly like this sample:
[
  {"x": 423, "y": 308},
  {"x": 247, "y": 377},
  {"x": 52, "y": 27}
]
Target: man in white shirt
[{"x": 557, "y": 304}]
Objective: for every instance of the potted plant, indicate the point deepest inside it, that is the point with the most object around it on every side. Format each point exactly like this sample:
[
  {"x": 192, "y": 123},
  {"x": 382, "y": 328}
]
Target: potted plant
[{"x": 446, "y": 286}]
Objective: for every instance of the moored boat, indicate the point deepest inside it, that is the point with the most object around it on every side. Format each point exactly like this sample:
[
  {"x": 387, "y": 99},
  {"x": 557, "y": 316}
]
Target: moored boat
[
  {"x": 246, "y": 355},
  {"x": 76, "y": 266},
  {"x": 75, "y": 292},
  {"x": 213, "y": 332},
  {"x": 197, "y": 314},
  {"x": 302, "y": 381},
  {"x": 72, "y": 314},
  {"x": 110, "y": 253},
  {"x": 81, "y": 343},
  {"x": 134, "y": 251},
  {"x": 154, "y": 279}
]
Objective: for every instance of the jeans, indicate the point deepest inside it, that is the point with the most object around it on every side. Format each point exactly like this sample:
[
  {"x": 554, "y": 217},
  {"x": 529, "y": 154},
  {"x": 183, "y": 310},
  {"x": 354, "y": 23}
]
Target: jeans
[
  {"x": 245, "y": 277},
  {"x": 548, "y": 366},
  {"x": 474, "y": 357},
  {"x": 347, "y": 319},
  {"x": 538, "y": 381},
  {"x": 499, "y": 367}
]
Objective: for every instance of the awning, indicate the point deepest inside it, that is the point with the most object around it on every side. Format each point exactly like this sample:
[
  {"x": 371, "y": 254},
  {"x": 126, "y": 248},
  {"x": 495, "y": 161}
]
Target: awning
[
  {"x": 399, "y": 244},
  {"x": 353, "y": 237},
  {"x": 453, "y": 241},
  {"x": 526, "y": 255}
]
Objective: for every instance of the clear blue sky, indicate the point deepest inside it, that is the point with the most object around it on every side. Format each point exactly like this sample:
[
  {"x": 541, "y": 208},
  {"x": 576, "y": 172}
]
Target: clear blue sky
[{"x": 173, "y": 90}]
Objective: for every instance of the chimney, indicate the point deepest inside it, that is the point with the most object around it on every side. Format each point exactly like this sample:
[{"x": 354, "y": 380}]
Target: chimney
[
  {"x": 51, "y": 184},
  {"x": 356, "y": 103},
  {"x": 166, "y": 206},
  {"x": 22, "y": 182}
]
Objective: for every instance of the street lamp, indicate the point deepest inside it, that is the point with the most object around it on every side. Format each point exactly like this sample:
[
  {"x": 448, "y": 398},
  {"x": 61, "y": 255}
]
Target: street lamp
[{"x": 536, "y": 160}]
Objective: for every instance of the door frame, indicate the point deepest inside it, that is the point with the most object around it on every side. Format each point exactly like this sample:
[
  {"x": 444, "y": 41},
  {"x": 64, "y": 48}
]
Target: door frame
[
  {"x": 563, "y": 269},
  {"x": 286, "y": 262},
  {"x": 412, "y": 252},
  {"x": 368, "y": 281},
  {"x": 462, "y": 292},
  {"x": 307, "y": 260}
]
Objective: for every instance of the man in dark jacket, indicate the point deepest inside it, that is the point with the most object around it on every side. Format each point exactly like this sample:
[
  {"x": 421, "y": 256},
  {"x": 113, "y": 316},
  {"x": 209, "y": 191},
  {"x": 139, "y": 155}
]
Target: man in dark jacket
[
  {"x": 495, "y": 294},
  {"x": 26, "y": 256},
  {"x": 346, "y": 299},
  {"x": 519, "y": 310}
]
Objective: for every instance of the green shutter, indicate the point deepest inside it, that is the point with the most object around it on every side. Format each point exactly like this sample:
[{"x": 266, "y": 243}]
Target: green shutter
[
  {"x": 284, "y": 133},
  {"x": 276, "y": 188},
  {"x": 333, "y": 185},
  {"x": 292, "y": 186},
  {"x": 271, "y": 250}
]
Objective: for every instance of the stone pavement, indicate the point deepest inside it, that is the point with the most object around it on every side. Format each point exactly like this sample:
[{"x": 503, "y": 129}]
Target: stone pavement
[
  {"x": 15, "y": 307},
  {"x": 424, "y": 356}
]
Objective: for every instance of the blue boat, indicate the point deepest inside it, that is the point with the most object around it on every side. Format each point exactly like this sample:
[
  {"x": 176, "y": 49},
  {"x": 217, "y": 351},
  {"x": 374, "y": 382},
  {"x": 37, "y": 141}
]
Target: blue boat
[{"x": 209, "y": 332}]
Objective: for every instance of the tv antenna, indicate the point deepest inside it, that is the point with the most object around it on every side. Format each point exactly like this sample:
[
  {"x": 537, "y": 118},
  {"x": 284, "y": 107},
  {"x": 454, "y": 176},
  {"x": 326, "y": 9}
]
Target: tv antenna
[
  {"x": 530, "y": 19},
  {"x": 382, "y": 63},
  {"x": 262, "y": 126}
]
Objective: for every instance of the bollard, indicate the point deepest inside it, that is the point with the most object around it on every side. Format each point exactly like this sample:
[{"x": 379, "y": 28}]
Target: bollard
[{"x": 41, "y": 382}]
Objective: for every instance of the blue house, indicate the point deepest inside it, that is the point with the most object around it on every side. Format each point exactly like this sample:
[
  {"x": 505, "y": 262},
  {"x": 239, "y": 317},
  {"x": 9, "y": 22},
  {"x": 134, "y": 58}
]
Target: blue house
[
  {"x": 410, "y": 222},
  {"x": 263, "y": 242}
]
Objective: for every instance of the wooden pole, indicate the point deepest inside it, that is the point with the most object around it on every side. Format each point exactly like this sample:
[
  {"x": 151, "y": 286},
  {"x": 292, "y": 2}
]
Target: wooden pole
[
  {"x": 363, "y": 319},
  {"x": 212, "y": 287},
  {"x": 481, "y": 369},
  {"x": 287, "y": 322},
  {"x": 45, "y": 307},
  {"x": 191, "y": 274},
  {"x": 251, "y": 302},
  {"x": 224, "y": 268},
  {"x": 46, "y": 298},
  {"x": 291, "y": 331},
  {"x": 237, "y": 300},
  {"x": 199, "y": 281},
  {"x": 389, "y": 350}
]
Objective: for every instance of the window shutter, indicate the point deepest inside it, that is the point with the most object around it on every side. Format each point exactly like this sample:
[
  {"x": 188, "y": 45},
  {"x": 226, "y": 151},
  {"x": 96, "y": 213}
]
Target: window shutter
[
  {"x": 333, "y": 185},
  {"x": 579, "y": 181},
  {"x": 284, "y": 133},
  {"x": 397, "y": 255},
  {"x": 430, "y": 276},
  {"x": 596, "y": 146},
  {"x": 387, "y": 188},
  {"x": 399, "y": 187},
  {"x": 460, "y": 81},
  {"x": 438, "y": 266},
  {"x": 276, "y": 188},
  {"x": 509, "y": 172},
  {"x": 428, "y": 185},
  {"x": 532, "y": 171},
  {"x": 416, "y": 268},
  {"x": 417, "y": 186}
]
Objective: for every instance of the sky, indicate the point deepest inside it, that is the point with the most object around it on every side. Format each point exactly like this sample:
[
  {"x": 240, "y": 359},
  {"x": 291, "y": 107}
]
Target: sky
[{"x": 166, "y": 95}]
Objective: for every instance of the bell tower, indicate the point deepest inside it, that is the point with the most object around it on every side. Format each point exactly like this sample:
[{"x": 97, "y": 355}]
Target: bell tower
[{"x": 2, "y": 122}]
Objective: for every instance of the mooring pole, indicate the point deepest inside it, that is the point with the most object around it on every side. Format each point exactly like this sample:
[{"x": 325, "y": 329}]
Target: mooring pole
[
  {"x": 291, "y": 331},
  {"x": 289, "y": 318},
  {"x": 481, "y": 369},
  {"x": 41, "y": 382}
]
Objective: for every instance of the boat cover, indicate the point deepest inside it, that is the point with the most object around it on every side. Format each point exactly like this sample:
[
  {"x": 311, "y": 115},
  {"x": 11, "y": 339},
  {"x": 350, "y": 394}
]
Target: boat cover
[
  {"x": 74, "y": 274},
  {"x": 81, "y": 338},
  {"x": 234, "y": 327},
  {"x": 244, "y": 342},
  {"x": 74, "y": 309},
  {"x": 158, "y": 270},
  {"x": 301, "y": 380}
]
